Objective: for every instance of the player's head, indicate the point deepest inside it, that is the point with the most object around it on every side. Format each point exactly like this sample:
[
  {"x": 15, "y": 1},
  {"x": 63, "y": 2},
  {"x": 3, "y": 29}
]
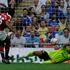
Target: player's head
[
  {"x": 68, "y": 48},
  {"x": 18, "y": 33},
  {"x": 25, "y": 11},
  {"x": 66, "y": 32},
  {"x": 35, "y": 2},
  {"x": 32, "y": 34}
]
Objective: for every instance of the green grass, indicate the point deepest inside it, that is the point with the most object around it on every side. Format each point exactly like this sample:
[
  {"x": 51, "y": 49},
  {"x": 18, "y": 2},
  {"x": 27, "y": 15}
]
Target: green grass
[{"x": 29, "y": 66}]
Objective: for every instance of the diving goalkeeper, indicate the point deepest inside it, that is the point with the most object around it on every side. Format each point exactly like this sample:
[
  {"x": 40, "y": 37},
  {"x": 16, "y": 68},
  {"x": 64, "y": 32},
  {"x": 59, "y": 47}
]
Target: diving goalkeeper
[{"x": 54, "y": 56}]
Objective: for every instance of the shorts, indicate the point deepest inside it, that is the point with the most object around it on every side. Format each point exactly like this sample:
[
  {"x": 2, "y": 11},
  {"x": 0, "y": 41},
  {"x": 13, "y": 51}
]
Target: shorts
[
  {"x": 6, "y": 41},
  {"x": 44, "y": 56}
]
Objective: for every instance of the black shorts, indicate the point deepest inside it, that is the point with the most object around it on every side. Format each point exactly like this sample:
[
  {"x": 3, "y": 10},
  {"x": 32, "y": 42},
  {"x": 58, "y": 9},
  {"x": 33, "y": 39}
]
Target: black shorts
[
  {"x": 44, "y": 56},
  {"x": 7, "y": 41}
]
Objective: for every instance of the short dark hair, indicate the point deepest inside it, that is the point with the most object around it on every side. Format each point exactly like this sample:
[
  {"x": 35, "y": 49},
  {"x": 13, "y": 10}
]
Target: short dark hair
[
  {"x": 66, "y": 29},
  {"x": 25, "y": 9},
  {"x": 63, "y": 17},
  {"x": 68, "y": 6}
]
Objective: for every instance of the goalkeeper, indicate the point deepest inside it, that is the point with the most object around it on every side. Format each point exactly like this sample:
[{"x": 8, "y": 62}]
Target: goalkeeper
[{"x": 54, "y": 56}]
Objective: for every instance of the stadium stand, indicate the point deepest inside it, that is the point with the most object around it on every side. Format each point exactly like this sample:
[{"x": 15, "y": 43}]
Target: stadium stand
[{"x": 52, "y": 11}]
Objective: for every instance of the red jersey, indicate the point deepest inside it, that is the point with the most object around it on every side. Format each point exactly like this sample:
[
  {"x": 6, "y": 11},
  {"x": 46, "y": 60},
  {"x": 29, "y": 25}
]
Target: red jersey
[{"x": 4, "y": 17}]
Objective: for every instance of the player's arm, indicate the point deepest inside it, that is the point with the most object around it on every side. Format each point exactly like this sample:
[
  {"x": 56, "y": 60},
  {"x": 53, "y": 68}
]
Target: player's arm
[
  {"x": 68, "y": 56},
  {"x": 8, "y": 23},
  {"x": 65, "y": 45},
  {"x": 48, "y": 62}
]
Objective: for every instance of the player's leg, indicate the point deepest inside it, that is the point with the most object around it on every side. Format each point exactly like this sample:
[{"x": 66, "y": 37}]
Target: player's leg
[
  {"x": 2, "y": 49},
  {"x": 30, "y": 54},
  {"x": 35, "y": 53},
  {"x": 7, "y": 48},
  {"x": 41, "y": 54},
  {"x": 47, "y": 62}
]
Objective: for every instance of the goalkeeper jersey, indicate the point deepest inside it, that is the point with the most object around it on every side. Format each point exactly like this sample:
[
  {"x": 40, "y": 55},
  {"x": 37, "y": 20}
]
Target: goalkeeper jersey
[{"x": 59, "y": 55}]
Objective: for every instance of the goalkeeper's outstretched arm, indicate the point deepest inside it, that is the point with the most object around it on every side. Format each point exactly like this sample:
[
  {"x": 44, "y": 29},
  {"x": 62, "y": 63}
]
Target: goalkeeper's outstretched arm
[{"x": 48, "y": 62}]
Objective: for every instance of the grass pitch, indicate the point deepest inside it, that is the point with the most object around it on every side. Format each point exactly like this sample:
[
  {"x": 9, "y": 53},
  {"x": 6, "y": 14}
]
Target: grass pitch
[{"x": 31, "y": 66}]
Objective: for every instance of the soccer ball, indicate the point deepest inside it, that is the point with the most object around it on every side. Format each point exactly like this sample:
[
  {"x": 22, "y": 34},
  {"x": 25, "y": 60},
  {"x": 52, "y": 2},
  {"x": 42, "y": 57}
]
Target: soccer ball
[{"x": 54, "y": 40}]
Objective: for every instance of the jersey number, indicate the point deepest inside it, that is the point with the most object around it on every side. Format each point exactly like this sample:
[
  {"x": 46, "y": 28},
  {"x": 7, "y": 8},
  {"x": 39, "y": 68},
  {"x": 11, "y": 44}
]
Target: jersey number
[{"x": 1, "y": 20}]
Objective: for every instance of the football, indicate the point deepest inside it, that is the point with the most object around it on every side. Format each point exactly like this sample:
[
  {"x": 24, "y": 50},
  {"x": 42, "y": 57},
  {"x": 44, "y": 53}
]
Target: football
[{"x": 54, "y": 40}]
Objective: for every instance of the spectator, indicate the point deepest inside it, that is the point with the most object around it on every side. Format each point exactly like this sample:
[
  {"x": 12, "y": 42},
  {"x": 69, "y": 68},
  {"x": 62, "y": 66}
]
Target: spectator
[
  {"x": 27, "y": 31},
  {"x": 68, "y": 17},
  {"x": 36, "y": 6},
  {"x": 57, "y": 10},
  {"x": 32, "y": 41},
  {"x": 62, "y": 7},
  {"x": 43, "y": 10},
  {"x": 51, "y": 34},
  {"x": 42, "y": 2},
  {"x": 11, "y": 8},
  {"x": 44, "y": 15},
  {"x": 11, "y": 3},
  {"x": 53, "y": 20},
  {"x": 42, "y": 29},
  {"x": 31, "y": 12},
  {"x": 25, "y": 19},
  {"x": 49, "y": 8},
  {"x": 62, "y": 24},
  {"x": 35, "y": 21},
  {"x": 17, "y": 24},
  {"x": 18, "y": 40},
  {"x": 65, "y": 37}
]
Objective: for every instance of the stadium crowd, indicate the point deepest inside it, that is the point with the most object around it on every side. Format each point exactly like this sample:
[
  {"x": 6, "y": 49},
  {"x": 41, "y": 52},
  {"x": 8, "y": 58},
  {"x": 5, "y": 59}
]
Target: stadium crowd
[{"x": 40, "y": 23}]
